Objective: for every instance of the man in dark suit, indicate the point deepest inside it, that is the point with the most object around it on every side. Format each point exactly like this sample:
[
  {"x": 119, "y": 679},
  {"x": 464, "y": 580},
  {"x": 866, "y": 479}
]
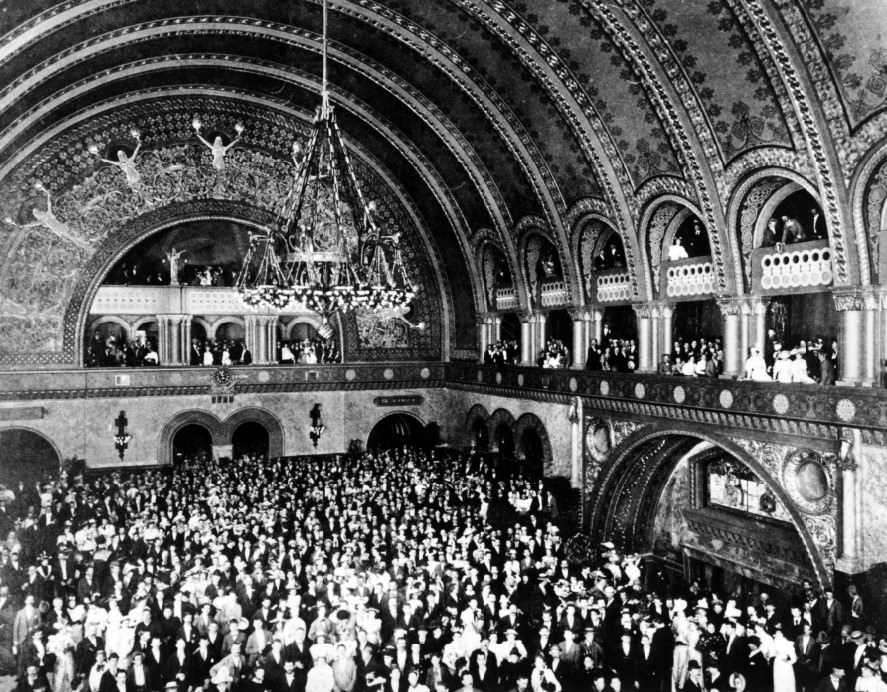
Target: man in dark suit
[
  {"x": 833, "y": 682},
  {"x": 757, "y": 670},
  {"x": 807, "y": 667},
  {"x": 195, "y": 353},
  {"x": 736, "y": 651},
  {"x": 293, "y": 679}
]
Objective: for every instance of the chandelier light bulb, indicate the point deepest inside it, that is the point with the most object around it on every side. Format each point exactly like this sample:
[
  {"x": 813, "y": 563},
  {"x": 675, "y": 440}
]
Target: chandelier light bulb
[
  {"x": 93, "y": 149},
  {"x": 238, "y": 127},
  {"x": 196, "y": 124},
  {"x": 136, "y": 133},
  {"x": 38, "y": 185}
]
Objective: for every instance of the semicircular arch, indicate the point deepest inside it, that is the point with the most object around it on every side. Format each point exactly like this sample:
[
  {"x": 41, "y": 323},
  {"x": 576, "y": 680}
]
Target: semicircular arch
[
  {"x": 204, "y": 419},
  {"x": 254, "y": 414}
]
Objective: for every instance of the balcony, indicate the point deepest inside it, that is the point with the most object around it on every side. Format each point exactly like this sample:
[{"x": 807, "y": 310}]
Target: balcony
[
  {"x": 506, "y": 299},
  {"x": 613, "y": 286},
  {"x": 181, "y": 300},
  {"x": 689, "y": 278},
  {"x": 800, "y": 266},
  {"x": 555, "y": 293}
]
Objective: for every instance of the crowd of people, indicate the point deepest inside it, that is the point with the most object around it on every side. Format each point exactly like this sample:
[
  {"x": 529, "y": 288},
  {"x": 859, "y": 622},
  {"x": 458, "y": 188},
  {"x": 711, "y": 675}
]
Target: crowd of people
[
  {"x": 612, "y": 354},
  {"x": 404, "y": 571},
  {"x": 694, "y": 358},
  {"x": 555, "y": 354},
  {"x": 188, "y": 275},
  {"x": 308, "y": 351},
  {"x": 502, "y": 352},
  {"x": 117, "y": 352},
  {"x": 812, "y": 361}
]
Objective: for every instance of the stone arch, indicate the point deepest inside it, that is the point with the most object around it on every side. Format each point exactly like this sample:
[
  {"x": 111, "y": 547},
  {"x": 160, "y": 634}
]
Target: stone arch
[
  {"x": 405, "y": 426},
  {"x": 271, "y": 423},
  {"x": 500, "y": 418},
  {"x": 128, "y": 236},
  {"x": 110, "y": 319},
  {"x": 227, "y": 319},
  {"x": 311, "y": 320},
  {"x": 749, "y": 208},
  {"x": 648, "y": 457},
  {"x": 205, "y": 419},
  {"x": 489, "y": 253},
  {"x": 532, "y": 422},
  {"x": 869, "y": 208},
  {"x": 147, "y": 319},
  {"x": 659, "y": 223},
  {"x": 585, "y": 233},
  {"x": 477, "y": 426}
]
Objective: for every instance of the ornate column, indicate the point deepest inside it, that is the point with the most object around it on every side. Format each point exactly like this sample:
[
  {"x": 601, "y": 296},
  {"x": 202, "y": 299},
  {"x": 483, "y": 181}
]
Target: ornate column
[
  {"x": 526, "y": 338},
  {"x": 261, "y": 352},
  {"x": 174, "y": 330},
  {"x": 186, "y": 339},
  {"x": 495, "y": 327},
  {"x": 759, "y": 311},
  {"x": 272, "y": 338},
  {"x": 872, "y": 303},
  {"x": 163, "y": 339},
  {"x": 730, "y": 309},
  {"x": 580, "y": 337},
  {"x": 667, "y": 313},
  {"x": 644, "y": 314},
  {"x": 483, "y": 334},
  {"x": 541, "y": 335},
  {"x": 251, "y": 336},
  {"x": 597, "y": 325},
  {"x": 850, "y": 475},
  {"x": 576, "y": 417},
  {"x": 849, "y": 304},
  {"x": 655, "y": 338},
  {"x": 745, "y": 327}
]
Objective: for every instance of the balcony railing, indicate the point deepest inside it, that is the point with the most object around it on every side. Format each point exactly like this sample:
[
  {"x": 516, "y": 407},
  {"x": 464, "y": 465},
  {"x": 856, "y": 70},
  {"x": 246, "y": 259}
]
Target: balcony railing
[
  {"x": 160, "y": 300},
  {"x": 555, "y": 293},
  {"x": 802, "y": 265},
  {"x": 691, "y": 277},
  {"x": 506, "y": 299},
  {"x": 613, "y": 286}
]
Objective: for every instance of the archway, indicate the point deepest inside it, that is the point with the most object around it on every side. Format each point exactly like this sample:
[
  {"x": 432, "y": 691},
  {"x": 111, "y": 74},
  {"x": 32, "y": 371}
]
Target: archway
[
  {"x": 185, "y": 419},
  {"x": 504, "y": 440},
  {"x": 534, "y": 446},
  {"x": 192, "y": 443},
  {"x": 396, "y": 430},
  {"x": 28, "y": 457},
  {"x": 265, "y": 419},
  {"x": 706, "y": 510},
  {"x": 250, "y": 439}
]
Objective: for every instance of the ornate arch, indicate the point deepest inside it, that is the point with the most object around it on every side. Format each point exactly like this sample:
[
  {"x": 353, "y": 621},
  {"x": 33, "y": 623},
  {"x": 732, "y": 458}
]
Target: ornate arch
[
  {"x": 500, "y": 417},
  {"x": 627, "y": 471},
  {"x": 204, "y": 419},
  {"x": 109, "y": 319},
  {"x": 585, "y": 231},
  {"x": 147, "y": 319},
  {"x": 869, "y": 203},
  {"x": 271, "y": 423},
  {"x": 530, "y": 421},
  {"x": 227, "y": 319}
]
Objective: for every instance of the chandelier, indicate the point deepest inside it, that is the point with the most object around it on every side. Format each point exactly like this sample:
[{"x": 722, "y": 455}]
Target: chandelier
[{"x": 326, "y": 253}]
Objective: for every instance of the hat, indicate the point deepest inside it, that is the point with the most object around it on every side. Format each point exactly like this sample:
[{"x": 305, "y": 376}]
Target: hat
[
  {"x": 222, "y": 676},
  {"x": 694, "y": 665},
  {"x": 171, "y": 685},
  {"x": 822, "y": 638},
  {"x": 608, "y": 545},
  {"x": 242, "y": 624},
  {"x": 856, "y": 635}
]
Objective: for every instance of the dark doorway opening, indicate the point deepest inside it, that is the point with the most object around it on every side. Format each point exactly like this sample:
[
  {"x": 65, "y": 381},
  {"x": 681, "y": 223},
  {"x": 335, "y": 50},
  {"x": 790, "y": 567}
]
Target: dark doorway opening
[
  {"x": 27, "y": 458},
  {"x": 192, "y": 444},
  {"x": 504, "y": 441},
  {"x": 480, "y": 435},
  {"x": 395, "y": 431},
  {"x": 250, "y": 439},
  {"x": 534, "y": 456}
]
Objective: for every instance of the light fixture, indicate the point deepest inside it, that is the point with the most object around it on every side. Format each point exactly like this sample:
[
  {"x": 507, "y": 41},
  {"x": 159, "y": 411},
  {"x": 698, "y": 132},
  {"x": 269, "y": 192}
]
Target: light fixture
[
  {"x": 122, "y": 438},
  {"x": 317, "y": 426},
  {"x": 326, "y": 252}
]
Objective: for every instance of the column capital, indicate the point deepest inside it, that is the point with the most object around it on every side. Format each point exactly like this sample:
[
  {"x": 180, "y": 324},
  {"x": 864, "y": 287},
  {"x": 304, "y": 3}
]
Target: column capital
[
  {"x": 644, "y": 311},
  {"x": 729, "y": 306},
  {"x": 872, "y": 299},
  {"x": 848, "y": 300},
  {"x": 526, "y": 316},
  {"x": 759, "y": 304},
  {"x": 577, "y": 314}
]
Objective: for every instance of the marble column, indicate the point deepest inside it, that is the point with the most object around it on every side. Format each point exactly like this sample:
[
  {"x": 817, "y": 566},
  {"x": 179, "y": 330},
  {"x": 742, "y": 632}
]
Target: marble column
[
  {"x": 526, "y": 338},
  {"x": 495, "y": 328},
  {"x": 580, "y": 337},
  {"x": 272, "y": 338},
  {"x": 667, "y": 313},
  {"x": 483, "y": 334},
  {"x": 597, "y": 322},
  {"x": 645, "y": 347},
  {"x": 851, "y": 476},
  {"x": 541, "y": 333},
  {"x": 759, "y": 312},
  {"x": 186, "y": 339},
  {"x": 850, "y": 308},
  {"x": 261, "y": 353},
  {"x": 251, "y": 337},
  {"x": 730, "y": 309},
  {"x": 175, "y": 340},
  {"x": 163, "y": 339},
  {"x": 746, "y": 328},
  {"x": 655, "y": 336},
  {"x": 872, "y": 303},
  {"x": 576, "y": 418}
]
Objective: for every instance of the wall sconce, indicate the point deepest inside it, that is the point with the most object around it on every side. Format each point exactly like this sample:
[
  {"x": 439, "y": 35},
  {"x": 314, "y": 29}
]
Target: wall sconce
[
  {"x": 317, "y": 426},
  {"x": 122, "y": 438},
  {"x": 846, "y": 462}
]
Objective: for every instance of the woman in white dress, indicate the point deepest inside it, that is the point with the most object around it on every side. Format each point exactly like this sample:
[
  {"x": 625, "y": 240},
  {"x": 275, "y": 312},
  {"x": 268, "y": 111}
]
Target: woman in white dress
[
  {"x": 784, "y": 659},
  {"x": 61, "y": 645}
]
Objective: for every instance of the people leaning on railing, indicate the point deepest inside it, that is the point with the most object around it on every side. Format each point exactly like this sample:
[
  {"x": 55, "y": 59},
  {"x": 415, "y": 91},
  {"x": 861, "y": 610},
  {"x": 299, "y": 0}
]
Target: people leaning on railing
[{"x": 120, "y": 353}]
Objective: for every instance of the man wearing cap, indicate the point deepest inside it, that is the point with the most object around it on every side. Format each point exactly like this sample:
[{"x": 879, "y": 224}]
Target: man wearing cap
[{"x": 834, "y": 680}]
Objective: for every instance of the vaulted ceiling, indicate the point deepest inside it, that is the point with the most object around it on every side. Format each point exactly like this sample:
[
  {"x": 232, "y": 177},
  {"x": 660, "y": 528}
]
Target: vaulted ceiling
[{"x": 484, "y": 118}]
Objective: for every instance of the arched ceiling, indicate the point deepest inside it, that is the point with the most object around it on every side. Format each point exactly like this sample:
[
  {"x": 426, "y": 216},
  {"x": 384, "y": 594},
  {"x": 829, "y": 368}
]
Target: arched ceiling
[{"x": 489, "y": 116}]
